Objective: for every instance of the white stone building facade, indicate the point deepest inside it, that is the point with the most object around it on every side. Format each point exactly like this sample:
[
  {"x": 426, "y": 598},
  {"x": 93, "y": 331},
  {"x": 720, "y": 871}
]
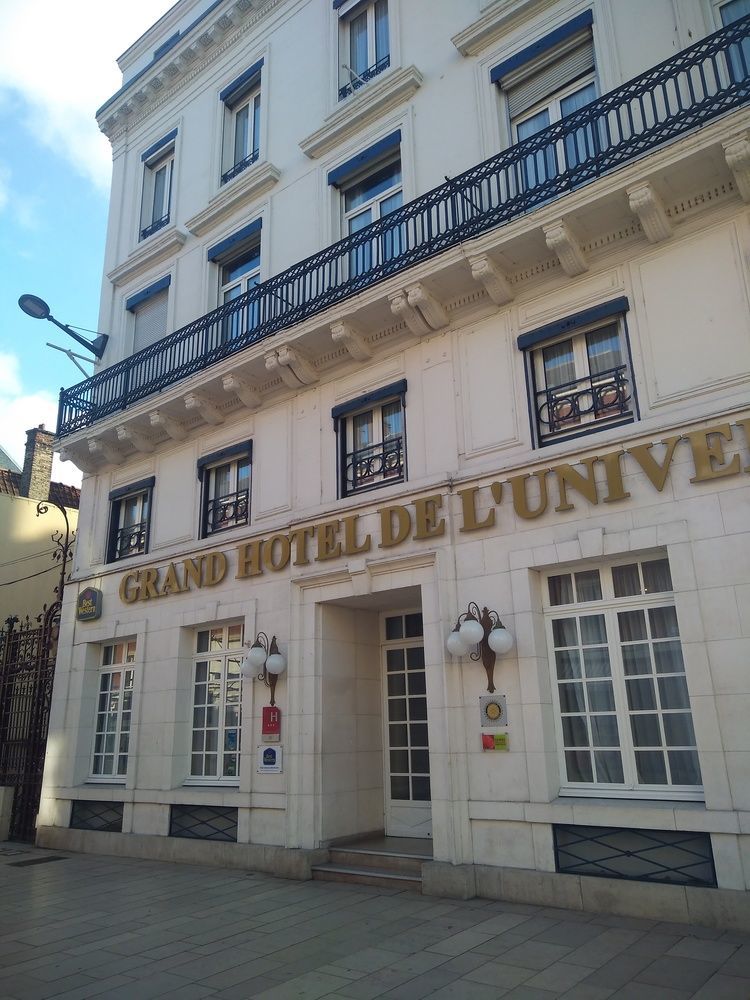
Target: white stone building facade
[{"x": 415, "y": 304}]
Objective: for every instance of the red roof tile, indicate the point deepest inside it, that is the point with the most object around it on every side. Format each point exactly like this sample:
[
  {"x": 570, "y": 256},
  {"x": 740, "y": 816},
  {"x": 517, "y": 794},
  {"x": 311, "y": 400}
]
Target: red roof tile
[{"x": 66, "y": 496}]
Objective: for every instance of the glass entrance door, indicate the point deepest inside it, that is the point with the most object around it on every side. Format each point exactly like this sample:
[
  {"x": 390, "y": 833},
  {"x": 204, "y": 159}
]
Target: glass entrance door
[{"x": 407, "y": 757}]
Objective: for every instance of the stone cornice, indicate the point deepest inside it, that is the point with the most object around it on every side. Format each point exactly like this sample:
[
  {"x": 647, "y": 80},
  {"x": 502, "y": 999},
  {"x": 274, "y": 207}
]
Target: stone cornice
[
  {"x": 369, "y": 104},
  {"x": 247, "y": 187},
  {"x": 153, "y": 250},
  {"x": 492, "y": 24},
  {"x": 180, "y": 65}
]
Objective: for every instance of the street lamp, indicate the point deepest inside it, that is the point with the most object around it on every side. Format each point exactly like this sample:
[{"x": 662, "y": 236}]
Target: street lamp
[
  {"x": 264, "y": 655},
  {"x": 37, "y": 308},
  {"x": 484, "y": 630}
]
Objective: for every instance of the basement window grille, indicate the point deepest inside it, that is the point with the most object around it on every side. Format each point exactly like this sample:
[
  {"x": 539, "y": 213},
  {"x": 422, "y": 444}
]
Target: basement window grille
[
  {"x": 673, "y": 857},
  {"x": 204, "y": 823},
  {"x": 104, "y": 817}
]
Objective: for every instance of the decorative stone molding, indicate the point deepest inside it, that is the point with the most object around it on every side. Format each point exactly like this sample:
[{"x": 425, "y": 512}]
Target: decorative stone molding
[
  {"x": 291, "y": 357},
  {"x": 134, "y": 436},
  {"x": 737, "y": 155},
  {"x": 432, "y": 310},
  {"x": 247, "y": 187},
  {"x": 208, "y": 410},
  {"x": 368, "y": 104},
  {"x": 401, "y": 308},
  {"x": 106, "y": 450},
  {"x": 159, "y": 80},
  {"x": 286, "y": 374},
  {"x": 233, "y": 383},
  {"x": 485, "y": 271},
  {"x": 171, "y": 427},
  {"x": 493, "y": 24},
  {"x": 151, "y": 251},
  {"x": 86, "y": 462},
  {"x": 346, "y": 335},
  {"x": 648, "y": 206},
  {"x": 561, "y": 240}
]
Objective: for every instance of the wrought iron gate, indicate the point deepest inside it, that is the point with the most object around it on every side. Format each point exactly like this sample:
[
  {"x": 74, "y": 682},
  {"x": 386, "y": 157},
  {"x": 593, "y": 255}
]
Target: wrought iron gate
[{"x": 27, "y": 665}]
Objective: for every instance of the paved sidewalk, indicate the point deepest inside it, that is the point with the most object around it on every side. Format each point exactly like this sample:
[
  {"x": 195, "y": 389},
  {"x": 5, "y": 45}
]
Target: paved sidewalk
[{"x": 75, "y": 926}]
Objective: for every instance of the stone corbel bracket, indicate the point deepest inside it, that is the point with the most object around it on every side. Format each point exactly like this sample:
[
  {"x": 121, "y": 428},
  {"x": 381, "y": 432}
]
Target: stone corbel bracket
[
  {"x": 292, "y": 367},
  {"x": 345, "y": 334},
  {"x": 171, "y": 427},
  {"x": 737, "y": 155},
  {"x": 233, "y": 383},
  {"x": 562, "y": 241},
  {"x": 648, "y": 206},
  {"x": 485, "y": 271},
  {"x": 419, "y": 309},
  {"x": 208, "y": 410},
  {"x": 100, "y": 447},
  {"x": 83, "y": 460},
  {"x": 140, "y": 441}
]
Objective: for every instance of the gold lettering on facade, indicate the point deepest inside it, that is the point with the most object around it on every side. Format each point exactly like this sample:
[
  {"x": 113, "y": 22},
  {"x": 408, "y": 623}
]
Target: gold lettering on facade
[
  {"x": 520, "y": 501},
  {"x": 708, "y": 454},
  {"x": 147, "y": 584},
  {"x": 328, "y": 547},
  {"x": 129, "y": 588},
  {"x": 350, "y": 537},
  {"x": 171, "y": 583},
  {"x": 656, "y": 471},
  {"x": 299, "y": 538},
  {"x": 248, "y": 559},
  {"x": 469, "y": 519},
  {"x": 745, "y": 425},
  {"x": 390, "y": 535},
  {"x": 191, "y": 569},
  {"x": 613, "y": 471},
  {"x": 569, "y": 477},
  {"x": 281, "y": 543},
  {"x": 426, "y": 509},
  {"x": 215, "y": 567}
]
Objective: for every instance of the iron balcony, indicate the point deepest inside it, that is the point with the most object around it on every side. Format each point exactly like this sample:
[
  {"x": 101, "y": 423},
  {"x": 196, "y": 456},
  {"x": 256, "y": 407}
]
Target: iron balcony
[{"x": 687, "y": 91}]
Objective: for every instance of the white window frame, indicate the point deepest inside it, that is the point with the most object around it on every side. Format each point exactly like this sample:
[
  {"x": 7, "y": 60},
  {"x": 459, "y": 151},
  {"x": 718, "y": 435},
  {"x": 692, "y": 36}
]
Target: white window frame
[
  {"x": 351, "y": 78},
  {"x": 117, "y": 659},
  {"x": 231, "y": 163},
  {"x": 227, "y": 657},
  {"x": 379, "y": 438},
  {"x": 717, "y": 8},
  {"x": 386, "y": 247},
  {"x": 208, "y": 476},
  {"x": 552, "y": 104},
  {"x": 153, "y": 214},
  {"x": 609, "y": 606},
  {"x": 143, "y": 496},
  {"x": 599, "y": 414}
]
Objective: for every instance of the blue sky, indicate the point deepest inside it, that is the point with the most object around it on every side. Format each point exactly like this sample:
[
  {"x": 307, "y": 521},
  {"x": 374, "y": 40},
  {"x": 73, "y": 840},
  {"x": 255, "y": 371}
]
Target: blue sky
[{"x": 57, "y": 66}]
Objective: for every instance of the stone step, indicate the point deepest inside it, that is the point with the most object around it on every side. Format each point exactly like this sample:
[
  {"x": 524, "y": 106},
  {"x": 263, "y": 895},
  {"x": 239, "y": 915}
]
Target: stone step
[
  {"x": 406, "y": 864},
  {"x": 366, "y": 876}
]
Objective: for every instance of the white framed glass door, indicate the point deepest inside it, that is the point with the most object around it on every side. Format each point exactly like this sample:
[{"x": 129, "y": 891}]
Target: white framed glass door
[{"x": 408, "y": 810}]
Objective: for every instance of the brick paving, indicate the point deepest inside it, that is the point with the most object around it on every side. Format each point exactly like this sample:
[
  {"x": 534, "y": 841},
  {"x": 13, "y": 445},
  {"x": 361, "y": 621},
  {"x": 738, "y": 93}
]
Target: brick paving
[{"x": 76, "y": 926}]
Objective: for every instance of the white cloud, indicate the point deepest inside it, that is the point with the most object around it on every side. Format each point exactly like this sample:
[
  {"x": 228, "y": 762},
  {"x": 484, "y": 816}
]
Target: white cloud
[
  {"x": 60, "y": 59},
  {"x": 21, "y": 411}
]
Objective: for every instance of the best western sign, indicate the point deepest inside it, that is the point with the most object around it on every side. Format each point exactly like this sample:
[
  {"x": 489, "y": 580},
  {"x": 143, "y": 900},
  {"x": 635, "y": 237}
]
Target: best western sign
[{"x": 596, "y": 480}]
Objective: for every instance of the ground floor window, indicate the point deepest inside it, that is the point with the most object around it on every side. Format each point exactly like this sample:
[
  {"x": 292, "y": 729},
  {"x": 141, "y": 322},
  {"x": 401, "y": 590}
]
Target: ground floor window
[
  {"x": 623, "y": 709},
  {"x": 113, "y": 711},
  {"x": 406, "y": 698},
  {"x": 217, "y": 693}
]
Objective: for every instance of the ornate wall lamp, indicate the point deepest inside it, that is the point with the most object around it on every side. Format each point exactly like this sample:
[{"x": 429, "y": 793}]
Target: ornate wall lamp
[
  {"x": 483, "y": 630},
  {"x": 265, "y": 657}
]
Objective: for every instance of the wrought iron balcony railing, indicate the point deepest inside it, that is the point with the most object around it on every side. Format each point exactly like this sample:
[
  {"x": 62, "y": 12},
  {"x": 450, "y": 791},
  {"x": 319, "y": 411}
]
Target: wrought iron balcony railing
[
  {"x": 606, "y": 396},
  {"x": 155, "y": 226},
  {"x": 683, "y": 93},
  {"x": 227, "y": 511},
  {"x": 376, "y": 464},
  {"x": 131, "y": 540},
  {"x": 241, "y": 165},
  {"x": 360, "y": 79}
]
